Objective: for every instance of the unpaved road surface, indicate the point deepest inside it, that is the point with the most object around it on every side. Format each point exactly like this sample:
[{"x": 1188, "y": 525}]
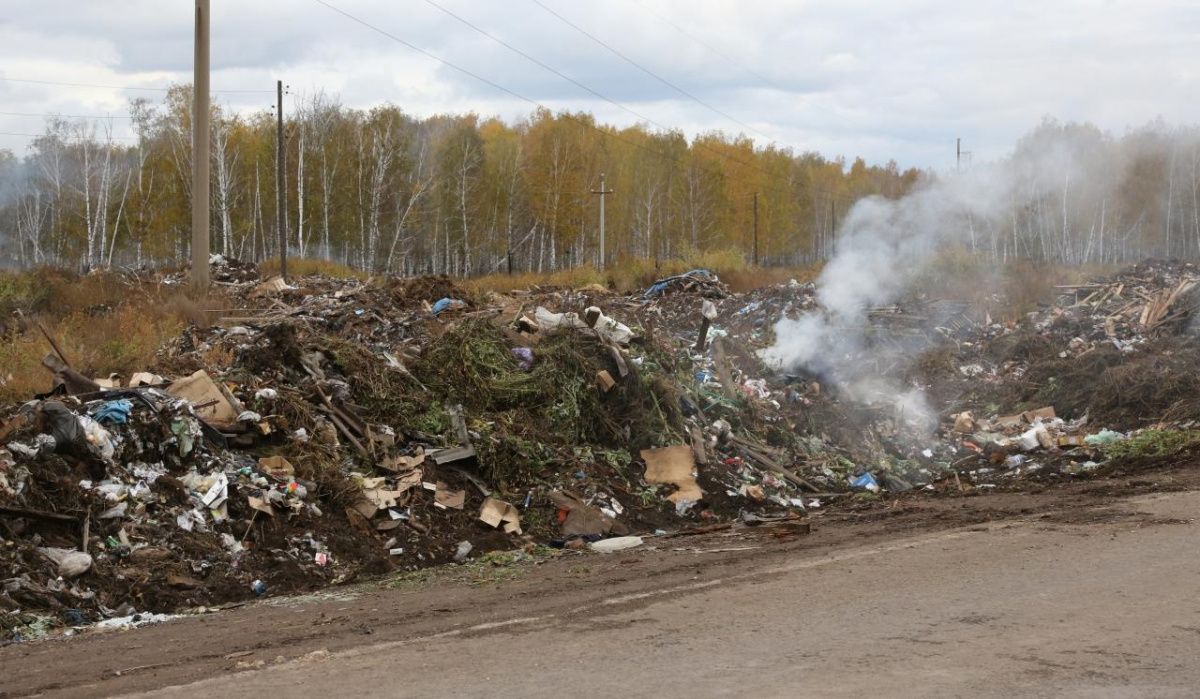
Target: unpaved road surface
[{"x": 1081, "y": 591}]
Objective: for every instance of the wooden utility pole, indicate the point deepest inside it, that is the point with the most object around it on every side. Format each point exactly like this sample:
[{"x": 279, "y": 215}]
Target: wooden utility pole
[
  {"x": 280, "y": 175},
  {"x": 756, "y": 229},
  {"x": 958, "y": 153},
  {"x": 200, "y": 152},
  {"x": 603, "y": 192}
]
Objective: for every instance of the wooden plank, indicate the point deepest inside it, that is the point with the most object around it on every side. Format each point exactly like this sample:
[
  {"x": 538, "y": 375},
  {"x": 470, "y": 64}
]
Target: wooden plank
[{"x": 38, "y": 514}]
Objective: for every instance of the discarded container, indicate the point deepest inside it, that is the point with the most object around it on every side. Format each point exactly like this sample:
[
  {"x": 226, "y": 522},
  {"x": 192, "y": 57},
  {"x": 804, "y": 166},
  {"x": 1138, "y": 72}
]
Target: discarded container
[
  {"x": 446, "y": 304},
  {"x": 115, "y": 412},
  {"x": 71, "y": 563},
  {"x": 1103, "y": 438},
  {"x": 604, "y": 326},
  {"x": 620, "y": 543},
  {"x": 1035, "y": 437},
  {"x": 1015, "y": 460},
  {"x": 258, "y": 587},
  {"x": 866, "y": 481},
  {"x": 463, "y": 550}
]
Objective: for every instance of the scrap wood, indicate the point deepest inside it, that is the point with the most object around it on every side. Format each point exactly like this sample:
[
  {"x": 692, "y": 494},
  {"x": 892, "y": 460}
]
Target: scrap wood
[
  {"x": 475, "y": 481},
  {"x": 452, "y": 455},
  {"x": 459, "y": 423},
  {"x": 53, "y": 344},
  {"x": 698, "y": 446},
  {"x": 1156, "y": 312},
  {"x": 342, "y": 427},
  {"x": 771, "y": 464},
  {"x": 618, "y": 358},
  {"x": 724, "y": 375},
  {"x": 37, "y": 514},
  {"x": 605, "y": 381},
  {"x": 693, "y": 531},
  {"x": 64, "y": 375}
]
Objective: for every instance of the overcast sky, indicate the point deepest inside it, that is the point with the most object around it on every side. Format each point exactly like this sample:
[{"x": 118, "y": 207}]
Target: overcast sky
[{"x": 889, "y": 79}]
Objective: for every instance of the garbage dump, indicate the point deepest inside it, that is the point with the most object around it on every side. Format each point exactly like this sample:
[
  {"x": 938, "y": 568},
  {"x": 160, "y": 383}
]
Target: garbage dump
[{"x": 328, "y": 430}]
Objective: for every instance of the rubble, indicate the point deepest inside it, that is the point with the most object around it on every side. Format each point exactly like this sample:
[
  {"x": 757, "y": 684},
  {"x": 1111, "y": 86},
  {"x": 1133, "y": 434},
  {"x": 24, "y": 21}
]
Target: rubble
[{"x": 324, "y": 430}]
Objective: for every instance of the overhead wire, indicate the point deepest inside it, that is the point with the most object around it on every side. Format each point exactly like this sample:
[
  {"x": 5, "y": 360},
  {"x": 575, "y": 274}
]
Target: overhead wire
[
  {"x": 532, "y": 101},
  {"x": 69, "y": 136},
  {"x": 120, "y": 87},
  {"x": 486, "y": 81},
  {"x": 697, "y": 143},
  {"x": 66, "y": 116},
  {"x": 603, "y": 132},
  {"x": 541, "y": 64},
  {"x": 710, "y": 47},
  {"x": 647, "y": 71}
]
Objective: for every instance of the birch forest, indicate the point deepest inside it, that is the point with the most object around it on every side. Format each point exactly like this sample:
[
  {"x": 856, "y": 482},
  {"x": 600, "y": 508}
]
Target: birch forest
[{"x": 386, "y": 192}]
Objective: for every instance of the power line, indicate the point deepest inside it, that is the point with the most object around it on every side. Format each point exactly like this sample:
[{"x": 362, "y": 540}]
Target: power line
[
  {"x": 519, "y": 52},
  {"x": 484, "y": 80},
  {"x": 46, "y": 135},
  {"x": 535, "y": 103},
  {"x": 649, "y": 72},
  {"x": 66, "y": 116},
  {"x": 711, "y": 48},
  {"x": 552, "y": 69},
  {"x": 118, "y": 87}
]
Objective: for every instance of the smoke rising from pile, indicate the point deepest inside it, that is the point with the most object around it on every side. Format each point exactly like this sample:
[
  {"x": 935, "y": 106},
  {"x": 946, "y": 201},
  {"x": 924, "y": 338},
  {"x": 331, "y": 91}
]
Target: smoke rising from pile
[{"x": 883, "y": 245}]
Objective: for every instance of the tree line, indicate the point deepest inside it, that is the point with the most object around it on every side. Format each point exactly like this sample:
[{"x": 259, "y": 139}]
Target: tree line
[{"x": 383, "y": 191}]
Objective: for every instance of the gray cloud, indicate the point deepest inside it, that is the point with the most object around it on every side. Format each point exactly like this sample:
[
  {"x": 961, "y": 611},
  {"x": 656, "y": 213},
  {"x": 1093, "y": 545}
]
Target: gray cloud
[{"x": 854, "y": 78}]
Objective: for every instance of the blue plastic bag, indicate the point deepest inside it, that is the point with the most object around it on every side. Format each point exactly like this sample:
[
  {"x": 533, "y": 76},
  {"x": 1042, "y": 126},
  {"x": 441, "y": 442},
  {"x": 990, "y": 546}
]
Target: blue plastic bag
[{"x": 115, "y": 412}]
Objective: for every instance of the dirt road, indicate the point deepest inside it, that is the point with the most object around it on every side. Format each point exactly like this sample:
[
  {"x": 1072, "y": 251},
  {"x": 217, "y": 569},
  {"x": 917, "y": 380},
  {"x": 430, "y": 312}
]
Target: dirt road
[{"x": 1064, "y": 593}]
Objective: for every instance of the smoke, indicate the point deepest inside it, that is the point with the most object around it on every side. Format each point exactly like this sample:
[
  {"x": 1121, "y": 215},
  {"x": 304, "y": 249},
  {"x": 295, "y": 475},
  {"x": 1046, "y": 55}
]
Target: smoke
[
  {"x": 1064, "y": 195},
  {"x": 14, "y": 175},
  {"x": 883, "y": 245}
]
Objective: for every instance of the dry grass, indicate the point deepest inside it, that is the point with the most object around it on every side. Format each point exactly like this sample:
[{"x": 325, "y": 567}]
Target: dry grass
[
  {"x": 307, "y": 267},
  {"x": 1006, "y": 291},
  {"x": 630, "y": 274},
  {"x": 108, "y": 323},
  {"x": 104, "y": 323},
  {"x": 753, "y": 278},
  {"x": 567, "y": 278}
]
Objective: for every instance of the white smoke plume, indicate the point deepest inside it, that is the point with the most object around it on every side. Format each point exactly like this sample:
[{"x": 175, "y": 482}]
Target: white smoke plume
[
  {"x": 882, "y": 246},
  {"x": 1053, "y": 198}
]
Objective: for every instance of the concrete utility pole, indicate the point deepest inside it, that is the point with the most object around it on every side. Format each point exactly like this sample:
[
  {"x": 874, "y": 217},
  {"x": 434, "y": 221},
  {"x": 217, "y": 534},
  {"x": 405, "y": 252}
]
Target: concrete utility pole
[
  {"x": 280, "y": 203},
  {"x": 959, "y": 154},
  {"x": 603, "y": 192},
  {"x": 756, "y": 229},
  {"x": 200, "y": 153}
]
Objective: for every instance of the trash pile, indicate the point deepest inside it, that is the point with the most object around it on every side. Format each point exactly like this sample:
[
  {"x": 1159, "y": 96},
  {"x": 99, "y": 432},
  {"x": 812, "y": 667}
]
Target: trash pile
[
  {"x": 1106, "y": 362},
  {"x": 1119, "y": 350},
  {"x": 325, "y": 429}
]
